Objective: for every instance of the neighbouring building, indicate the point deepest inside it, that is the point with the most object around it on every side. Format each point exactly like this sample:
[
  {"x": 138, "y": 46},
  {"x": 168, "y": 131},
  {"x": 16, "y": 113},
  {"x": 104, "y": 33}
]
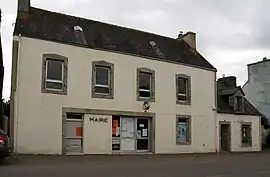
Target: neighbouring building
[
  {"x": 238, "y": 121},
  {"x": 257, "y": 90},
  {"x": 257, "y": 87}
]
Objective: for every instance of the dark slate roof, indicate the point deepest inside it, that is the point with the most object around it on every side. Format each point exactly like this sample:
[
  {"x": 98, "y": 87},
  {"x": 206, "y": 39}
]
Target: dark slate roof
[
  {"x": 52, "y": 26},
  {"x": 224, "y": 107}
]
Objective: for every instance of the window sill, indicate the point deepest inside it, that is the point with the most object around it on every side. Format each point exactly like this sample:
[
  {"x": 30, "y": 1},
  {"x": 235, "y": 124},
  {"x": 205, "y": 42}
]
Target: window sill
[
  {"x": 52, "y": 91},
  {"x": 183, "y": 102},
  {"x": 183, "y": 144},
  {"x": 246, "y": 145},
  {"x": 146, "y": 99},
  {"x": 102, "y": 96}
]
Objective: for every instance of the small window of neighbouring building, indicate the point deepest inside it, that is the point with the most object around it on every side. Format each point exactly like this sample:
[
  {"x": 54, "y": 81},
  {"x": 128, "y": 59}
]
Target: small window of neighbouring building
[
  {"x": 145, "y": 84},
  {"x": 54, "y": 74},
  {"x": 102, "y": 85},
  {"x": 183, "y": 130},
  {"x": 239, "y": 107},
  {"x": 246, "y": 132},
  {"x": 183, "y": 89}
]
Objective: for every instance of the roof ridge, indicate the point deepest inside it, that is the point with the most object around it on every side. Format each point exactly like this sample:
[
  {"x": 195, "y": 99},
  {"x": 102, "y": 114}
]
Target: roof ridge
[{"x": 104, "y": 23}]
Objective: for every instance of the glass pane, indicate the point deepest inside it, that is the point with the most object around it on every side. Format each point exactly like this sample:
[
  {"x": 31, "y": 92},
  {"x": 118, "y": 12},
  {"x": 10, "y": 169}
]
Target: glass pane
[
  {"x": 182, "y": 85},
  {"x": 182, "y": 132},
  {"x": 144, "y": 80},
  {"x": 142, "y": 144},
  {"x": 54, "y": 69},
  {"x": 54, "y": 85},
  {"x": 182, "y": 98},
  {"x": 103, "y": 90},
  {"x": 144, "y": 94},
  {"x": 115, "y": 144},
  {"x": 116, "y": 126},
  {"x": 102, "y": 75}
]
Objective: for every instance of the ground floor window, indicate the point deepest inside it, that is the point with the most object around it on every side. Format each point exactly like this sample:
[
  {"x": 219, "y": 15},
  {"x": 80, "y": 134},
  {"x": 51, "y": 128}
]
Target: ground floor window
[
  {"x": 246, "y": 133},
  {"x": 116, "y": 133},
  {"x": 183, "y": 130}
]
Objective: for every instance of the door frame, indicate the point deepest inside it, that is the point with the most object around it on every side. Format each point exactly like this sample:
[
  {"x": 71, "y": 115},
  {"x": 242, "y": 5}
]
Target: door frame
[
  {"x": 64, "y": 120},
  {"x": 149, "y": 135},
  {"x": 230, "y": 134}
]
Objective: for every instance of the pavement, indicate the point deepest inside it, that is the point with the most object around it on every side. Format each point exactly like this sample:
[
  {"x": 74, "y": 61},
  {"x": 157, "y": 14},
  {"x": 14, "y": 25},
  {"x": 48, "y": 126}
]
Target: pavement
[{"x": 198, "y": 165}]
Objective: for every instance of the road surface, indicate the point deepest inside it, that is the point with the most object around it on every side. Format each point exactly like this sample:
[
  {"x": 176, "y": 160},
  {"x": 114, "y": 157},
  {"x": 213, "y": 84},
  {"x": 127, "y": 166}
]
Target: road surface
[{"x": 200, "y": 165}]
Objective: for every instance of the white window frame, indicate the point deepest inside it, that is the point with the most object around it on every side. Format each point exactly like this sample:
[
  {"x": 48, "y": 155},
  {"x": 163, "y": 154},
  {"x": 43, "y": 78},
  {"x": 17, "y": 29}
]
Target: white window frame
[
  {"x": 146, "y": 90},
  {"x": 52, "y": 80},
  {"x": 110, "y": 86},
  {"x": 101, "y": 85},
  {"x": 182, "y": 94}
]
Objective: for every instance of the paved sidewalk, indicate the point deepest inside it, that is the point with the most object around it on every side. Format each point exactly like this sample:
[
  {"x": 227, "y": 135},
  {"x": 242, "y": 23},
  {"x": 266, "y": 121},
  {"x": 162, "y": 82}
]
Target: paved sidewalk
[{"x": 199, "y": 165}]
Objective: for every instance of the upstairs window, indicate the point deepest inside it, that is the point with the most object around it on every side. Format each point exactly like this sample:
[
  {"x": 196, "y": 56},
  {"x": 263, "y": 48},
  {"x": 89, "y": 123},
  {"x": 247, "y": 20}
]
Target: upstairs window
[
  {"x": 102, "y": 85},
  {"x": 145, "y": 84},
  {"x": 183, "y": 89},
  {"x": 54, "y": 75},
  {"x": 239, "y": 104}
]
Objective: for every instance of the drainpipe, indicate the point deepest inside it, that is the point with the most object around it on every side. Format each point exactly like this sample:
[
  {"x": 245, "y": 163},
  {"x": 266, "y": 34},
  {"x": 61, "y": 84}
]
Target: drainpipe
[{"x": 215, "y": 114}]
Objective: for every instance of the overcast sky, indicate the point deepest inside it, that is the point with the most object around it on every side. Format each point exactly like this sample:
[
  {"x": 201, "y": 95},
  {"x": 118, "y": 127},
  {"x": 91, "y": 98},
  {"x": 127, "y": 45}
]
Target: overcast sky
[{"x": 230, "y": 33}]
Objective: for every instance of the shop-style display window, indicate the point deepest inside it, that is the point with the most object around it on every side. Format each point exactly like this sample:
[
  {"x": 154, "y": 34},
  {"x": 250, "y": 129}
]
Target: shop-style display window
[{"x": 116, "y": 133}]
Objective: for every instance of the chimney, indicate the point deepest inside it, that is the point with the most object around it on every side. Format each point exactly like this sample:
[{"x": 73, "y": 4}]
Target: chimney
[
  {"x": 23, "y": 8},
  {"x": 227, "y": 82},
  {"x": 189, "y": 38}
]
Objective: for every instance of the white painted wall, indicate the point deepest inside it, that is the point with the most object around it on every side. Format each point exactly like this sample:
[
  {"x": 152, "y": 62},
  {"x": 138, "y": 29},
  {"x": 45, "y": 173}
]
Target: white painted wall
[
  {"x": 235, "y": 121},
  {"x": 39, "y": 115}
]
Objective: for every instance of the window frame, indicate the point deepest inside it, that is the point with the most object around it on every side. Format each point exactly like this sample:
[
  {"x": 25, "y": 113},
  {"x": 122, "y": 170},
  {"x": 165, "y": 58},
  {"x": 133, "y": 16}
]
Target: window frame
[
  {"x": 110, "y": 67},
  {"x": 188, "y": 122},
  {"x": 60, "y": 58},
  {"x": 249, "y": 124},
  {"x": 241, "y": 109},
  {"x": 152, "y": 84},
  {"x": 188, "y": 94}
]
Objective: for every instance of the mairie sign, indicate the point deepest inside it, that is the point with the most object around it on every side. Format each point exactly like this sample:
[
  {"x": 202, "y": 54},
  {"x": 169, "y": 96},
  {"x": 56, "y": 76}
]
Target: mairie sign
[{"x": 98, "y": 119}]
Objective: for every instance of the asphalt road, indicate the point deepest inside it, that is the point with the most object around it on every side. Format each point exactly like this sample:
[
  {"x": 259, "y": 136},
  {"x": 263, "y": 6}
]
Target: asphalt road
[{"x": 200, "y": 165}]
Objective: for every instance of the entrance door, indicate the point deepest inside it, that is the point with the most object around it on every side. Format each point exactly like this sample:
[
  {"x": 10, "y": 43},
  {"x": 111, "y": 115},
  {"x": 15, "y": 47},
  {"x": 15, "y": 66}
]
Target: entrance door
[
  {"x": 142, "y": 134},
  {"x": 225, "y": 140},
  {"x": 127, "y": 134},
  {"x": 73, "y": 137}
]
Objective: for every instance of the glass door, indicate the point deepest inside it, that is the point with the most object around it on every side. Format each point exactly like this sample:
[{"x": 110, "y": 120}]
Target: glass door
[{"x": 142, "y": 129}]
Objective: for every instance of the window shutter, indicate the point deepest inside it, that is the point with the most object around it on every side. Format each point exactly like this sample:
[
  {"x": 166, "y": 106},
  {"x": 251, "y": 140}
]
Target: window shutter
[
  {"x": 231, "y": 101},
  {"x": 250, "y": 136}
]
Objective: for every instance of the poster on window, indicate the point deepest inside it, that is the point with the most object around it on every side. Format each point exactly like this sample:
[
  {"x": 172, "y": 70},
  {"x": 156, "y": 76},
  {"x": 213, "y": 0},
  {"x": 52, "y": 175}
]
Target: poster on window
[{"x": 182, "y": 132}]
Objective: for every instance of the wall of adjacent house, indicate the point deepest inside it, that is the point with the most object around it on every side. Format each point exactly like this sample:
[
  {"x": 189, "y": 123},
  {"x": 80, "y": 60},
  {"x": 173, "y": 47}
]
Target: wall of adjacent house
[
  {"x": 38, "y": 116},
  {"x": 236, "y": 133},
  {"x": 257, "y": 88}
]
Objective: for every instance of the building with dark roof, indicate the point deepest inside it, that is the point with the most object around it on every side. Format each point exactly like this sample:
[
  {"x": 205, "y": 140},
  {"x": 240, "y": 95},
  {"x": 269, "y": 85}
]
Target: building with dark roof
[
  {"x": 238, "y": 120},
  {"x": 87, "y": 87}
]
